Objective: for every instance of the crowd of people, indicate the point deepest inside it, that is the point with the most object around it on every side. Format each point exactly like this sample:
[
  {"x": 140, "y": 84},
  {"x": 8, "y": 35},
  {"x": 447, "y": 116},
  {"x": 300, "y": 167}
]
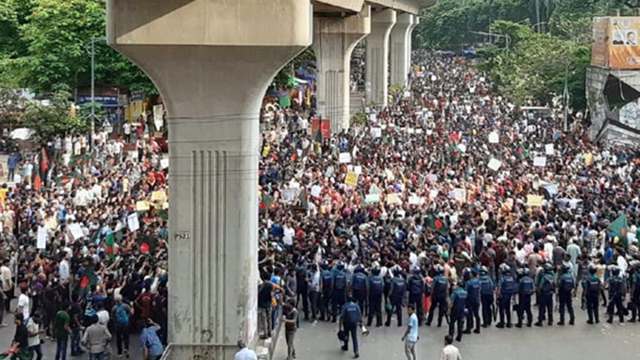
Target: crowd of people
[
  {"x": 452, "y": 200},
  {"x": 83, "y": 245}
]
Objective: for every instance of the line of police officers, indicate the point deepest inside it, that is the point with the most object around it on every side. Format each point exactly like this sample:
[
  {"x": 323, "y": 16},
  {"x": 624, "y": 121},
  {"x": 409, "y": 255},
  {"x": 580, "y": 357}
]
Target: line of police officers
[{"x": 474, "y": 301}]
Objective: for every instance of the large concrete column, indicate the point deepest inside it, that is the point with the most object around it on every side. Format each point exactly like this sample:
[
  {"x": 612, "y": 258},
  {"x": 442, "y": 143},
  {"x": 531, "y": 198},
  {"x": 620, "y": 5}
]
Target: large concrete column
[
  {"x": 333, "y": 42},
  {"x": 400, "y": 40},
  {"x": 414, "y": 23},
  {"x": 212, "y": 61},
  {"x": 377, "y": 85}
]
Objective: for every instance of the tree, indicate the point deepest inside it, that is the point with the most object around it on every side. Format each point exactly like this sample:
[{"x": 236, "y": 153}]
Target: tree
[
  {"x": 54, "y": 119},
  {"x": 11, "y": 108}
]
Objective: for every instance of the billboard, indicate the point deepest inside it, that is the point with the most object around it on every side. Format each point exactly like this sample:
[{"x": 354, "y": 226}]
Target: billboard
[{"x": 615, "y": 42}]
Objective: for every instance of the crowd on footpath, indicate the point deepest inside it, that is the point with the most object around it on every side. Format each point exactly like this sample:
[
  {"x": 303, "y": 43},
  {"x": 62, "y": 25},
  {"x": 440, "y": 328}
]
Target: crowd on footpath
[
  {"x": 453, "y": 204},
  {"x": 83, "y": 246}
]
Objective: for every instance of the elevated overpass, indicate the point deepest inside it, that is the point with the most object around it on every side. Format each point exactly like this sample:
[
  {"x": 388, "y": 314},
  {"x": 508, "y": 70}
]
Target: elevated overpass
[{"x": 212, "y": 61}]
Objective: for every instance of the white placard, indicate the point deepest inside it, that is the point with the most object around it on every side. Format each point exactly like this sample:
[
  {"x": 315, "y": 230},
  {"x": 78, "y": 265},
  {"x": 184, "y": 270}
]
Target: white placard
[
  {"x": 458, "y": 194},
  {"x": 76, "y": 231},
  {"x": 548, "y": 149},
  {"x": 132, "y": 222},
  {"x": 42, "y": 237},
  {"x": 357, "y": 169},
  {"x": 373, "y": 117},
  {"x": 494, "y": 164},
  {"x": 376, "y": 132},
  {"x": 540, "y": 161},
  {"x": 316, "y": 190},
  {"x": 158, "y": 116},
  {"x": 462, "y": 147},
  {"x": 164, "y": 163},
  {"x": 415, "y": 200},
  {"x": 372, "y": 198},
  {"x": 289, "y": 195},
  {"x": 344, "y": 158},
  {"x": 433, "y": 193},
  {"x": 494, "y": 138}
]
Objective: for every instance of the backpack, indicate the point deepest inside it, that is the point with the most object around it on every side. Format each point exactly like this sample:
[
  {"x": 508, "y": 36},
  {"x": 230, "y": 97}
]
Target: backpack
[
  {"x": 359, "y": 282},
  {"x": 566, "y": 283},
  {"x": 122, "y": 315},
  {"x": 526, "y": 286},
  {"x": 376, "y": 285},
  {"x": 547, "y": 284},
  {"x": 486, "y": 286},
  {"x": 327, "y": 280},
  {"x": 415, "y": 285},
  {"x": 340, "y": 281}
]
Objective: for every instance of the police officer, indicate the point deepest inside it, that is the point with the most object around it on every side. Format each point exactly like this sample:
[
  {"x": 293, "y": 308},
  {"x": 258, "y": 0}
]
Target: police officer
[
  {"x": 326, "y": 286},
  {"x": 546, "y": 288},
  {"x": 506, "y": 289},
  {"x": 350, "y": 320},
  {"x": 472, "y": 287},
  {"x": 526, "y": 288},
  {"x": 616, "y": 294},
  {"x": 376, "y": 287},
  {"x": 302, "y": 290},
  {"x": 634, "y": 278},
  {"x": 458, "y": 313},
  {"x": 416, "y": 291},
  {"x": 566, "y": 286},
  {"x": 339, "y": 291},
  {"x": 439, "y": 295},
  {"x": 359, "y": 286},
  {"x": 487, "y": 289},
  {"x": 396, "y": 296},
  {"x": 591, "y": 290}
]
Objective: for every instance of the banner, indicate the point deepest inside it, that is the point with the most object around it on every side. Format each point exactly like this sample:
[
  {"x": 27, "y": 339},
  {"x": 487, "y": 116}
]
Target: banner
[
  {"x": 615, "y": 42},
  {"x": 534, "y": 200},
  {"x": 351, "y": 179}
]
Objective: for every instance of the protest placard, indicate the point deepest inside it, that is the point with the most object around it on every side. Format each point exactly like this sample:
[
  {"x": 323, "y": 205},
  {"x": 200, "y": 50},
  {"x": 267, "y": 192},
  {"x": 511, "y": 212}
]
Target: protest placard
[
  {"x": 494, "y": 164},
  {"x": 42, "y": 237},
  {"x": 344, "y": 158},
  {"x": 142, "y": 205},
  {"x": 462, "y": 147},
  {"x": 351, "y": 179},
  {"x": 164, "y": 163},
  {"x": 415, "y": 200},
  {"x": 316, "y": 190},
  {"x": 132, "y": 222},
  {"x": 534, "y": 200},
  {"x": 540, "y": 161},
  {"x": 393, "y": 199},
  {"x": 548, "y": 149},
  {"x": 357, "y": 169},
  {"x": 289, "y": 195},
  {"x": 494, "y": 138},
  {"x": 76, "y": 231},
  {"x": 376, "y": 132},
  {"x": 372, "y": 198},
  {"x": 458, "y": 194}
]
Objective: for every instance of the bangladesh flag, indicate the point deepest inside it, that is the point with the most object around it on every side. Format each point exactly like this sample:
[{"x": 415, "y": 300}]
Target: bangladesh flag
[
  {"x": 109, "y": 244},
  {"x": 618, "y": 228},
  {"x": 89, "y": 279}
]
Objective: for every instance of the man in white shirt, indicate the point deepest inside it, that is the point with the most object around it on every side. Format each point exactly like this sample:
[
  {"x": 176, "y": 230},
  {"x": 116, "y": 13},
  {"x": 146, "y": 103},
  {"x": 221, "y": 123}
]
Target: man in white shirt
[
  {"x": 450, "y": 352},
  {"x": 6, "y": 283},
  {"x": 410, "y": 336},
  {"x": 24, "y": 303},
  {"x": 245, "y": 353},
  {"x": 63, "y": 269}
]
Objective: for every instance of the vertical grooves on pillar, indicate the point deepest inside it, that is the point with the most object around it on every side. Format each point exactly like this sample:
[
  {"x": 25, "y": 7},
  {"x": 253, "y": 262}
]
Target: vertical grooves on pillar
[
  {"x": 194, "y": 252},
  {"x": 213, "y": 292},
  {"x": 208, "y": 239},
  {"x": 222, "y": 241},
  {"x": 202, "y": 276},
  {"x": 377, "y": 73}
]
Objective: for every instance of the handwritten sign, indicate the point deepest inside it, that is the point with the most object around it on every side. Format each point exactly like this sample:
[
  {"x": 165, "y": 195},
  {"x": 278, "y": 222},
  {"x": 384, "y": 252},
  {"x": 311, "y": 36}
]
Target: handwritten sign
[
  {"x": 344, "y": 158},
  {"x": 351, "y": 179},
  {"x": 494, "y": 164},
  {"x": 534, "y": 200},
  {"x": 540, "y": 161},
  {"x": 132, "y": 222}
]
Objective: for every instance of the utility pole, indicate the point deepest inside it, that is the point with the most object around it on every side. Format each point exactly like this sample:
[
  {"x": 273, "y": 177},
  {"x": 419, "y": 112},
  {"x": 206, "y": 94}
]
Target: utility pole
[
  {"x": 538, "y": 15},
  {"x": 566, "y": 98},
  {"x": 93, "y": 92}
]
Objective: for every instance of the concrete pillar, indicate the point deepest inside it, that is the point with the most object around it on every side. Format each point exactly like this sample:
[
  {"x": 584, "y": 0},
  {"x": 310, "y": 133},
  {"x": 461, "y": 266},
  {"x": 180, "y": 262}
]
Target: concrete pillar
[
  {"x": 333, "y": 42},
  {"x": 212, "y": 71},
  {"x": 377, "y": 85},
  {"x": 414, "y": 23},
  {"x": 400, "y": 40}
]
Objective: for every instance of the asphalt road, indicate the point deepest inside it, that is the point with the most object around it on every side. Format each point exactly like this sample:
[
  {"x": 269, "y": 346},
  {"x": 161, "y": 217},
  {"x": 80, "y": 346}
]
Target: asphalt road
[{"x": 579, "y": 342}]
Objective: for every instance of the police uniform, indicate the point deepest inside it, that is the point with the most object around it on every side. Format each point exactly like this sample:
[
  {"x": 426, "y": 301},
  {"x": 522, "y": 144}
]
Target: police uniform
[
  {"x": 438, "y": 298},
  {"x": 376, "y": 288},
  {"x": 634, "y": 304},
  {"x": 526, "y": 288},
  {"x": 398, "y": 288},
  {"x": 359, "y": 288},
  {"x": 351, "y": 317},
  {"x": 616, "y": 294},
  {"x": 565, "y": 296},
  {"x": 326, "y": 286},
  {"x": 473, "y": 305},
  {"x": 506, "y": 289},
  {"x": 458, "y": 306},
  {"x": 486, "y": 298},
  {"x": 546, "y": 287},
  {"x": 591, "y": 288},
  {"x": 416, "y": 291},
  {"x": 339, "y": 292}
]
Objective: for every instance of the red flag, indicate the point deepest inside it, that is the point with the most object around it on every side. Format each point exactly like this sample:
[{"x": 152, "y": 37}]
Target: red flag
[{"x": 144, "y": 248}]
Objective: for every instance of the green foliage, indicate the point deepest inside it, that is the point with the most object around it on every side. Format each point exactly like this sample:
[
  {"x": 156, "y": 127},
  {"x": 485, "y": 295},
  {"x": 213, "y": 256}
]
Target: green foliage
[
  {"x": 11, "y": 107},
  {"x": 54, "y": 119},
  {"x": 49, "y": 47},
  {"x": 359, "y": 119}
]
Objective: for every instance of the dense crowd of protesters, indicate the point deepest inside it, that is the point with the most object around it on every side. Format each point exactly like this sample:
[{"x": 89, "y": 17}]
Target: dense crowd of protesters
[
  {"x": 452, "y": 199},
  {"x": 83, "y": 243}
]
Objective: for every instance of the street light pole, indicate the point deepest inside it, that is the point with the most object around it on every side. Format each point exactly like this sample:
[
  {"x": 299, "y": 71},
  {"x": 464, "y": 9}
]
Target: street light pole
[{"x": 93, "y": 92}]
